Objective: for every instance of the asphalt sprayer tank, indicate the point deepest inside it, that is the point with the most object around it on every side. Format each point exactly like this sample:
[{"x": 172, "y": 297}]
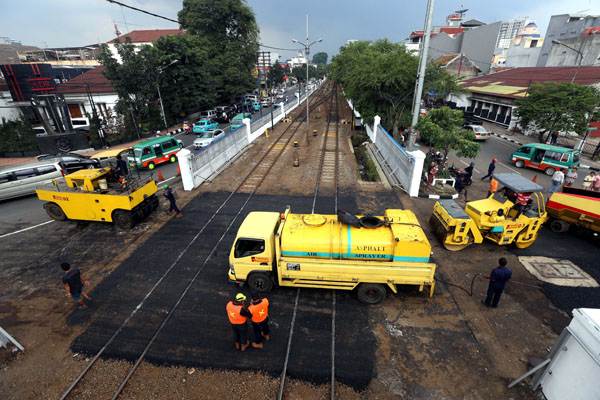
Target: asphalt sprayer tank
[{"x": 396, "y": 236}]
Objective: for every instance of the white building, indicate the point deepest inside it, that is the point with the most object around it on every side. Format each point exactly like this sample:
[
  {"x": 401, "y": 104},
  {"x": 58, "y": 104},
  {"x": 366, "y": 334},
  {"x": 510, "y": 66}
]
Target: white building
[
  {"x": 142, "y": 37},
  {"x": 508, "y": 31}
]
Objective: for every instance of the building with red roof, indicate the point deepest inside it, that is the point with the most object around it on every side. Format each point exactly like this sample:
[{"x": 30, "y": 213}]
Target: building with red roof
[
  {"x": 492, "y": 97},
  {"x": 141, "y": 38}
]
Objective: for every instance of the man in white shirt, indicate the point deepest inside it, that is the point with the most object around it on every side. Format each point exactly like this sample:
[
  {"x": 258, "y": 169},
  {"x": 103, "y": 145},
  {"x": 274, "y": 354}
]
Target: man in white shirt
[{"x": 557, "y": 180}]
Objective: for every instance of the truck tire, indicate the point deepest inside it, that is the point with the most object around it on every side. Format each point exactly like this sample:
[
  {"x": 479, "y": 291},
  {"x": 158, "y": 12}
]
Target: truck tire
[
  {"x": 369, "y": 221},
  {"x": 122, "y": 219},
  {"x": 55, "y": 212},
  {"x": 151, "y": 166},
  {"x": 260, "y": 281},
  {"x": 559, "y": 226},
  {"x": 371, "y": 293}
]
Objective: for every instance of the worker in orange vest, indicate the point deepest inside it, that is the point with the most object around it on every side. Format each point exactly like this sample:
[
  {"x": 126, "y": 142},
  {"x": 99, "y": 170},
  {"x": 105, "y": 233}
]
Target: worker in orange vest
[
  {"x": 237, "y": 313},
  {"x": 493, "y": 187},
  {"x": 259, "y": 308}
]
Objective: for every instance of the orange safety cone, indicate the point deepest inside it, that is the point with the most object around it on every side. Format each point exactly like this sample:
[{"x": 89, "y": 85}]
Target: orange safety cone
[
  {"x": 160, "y": 177},
  {"x": 178, "y": 170},
  {"x": 535, "y": 178}
]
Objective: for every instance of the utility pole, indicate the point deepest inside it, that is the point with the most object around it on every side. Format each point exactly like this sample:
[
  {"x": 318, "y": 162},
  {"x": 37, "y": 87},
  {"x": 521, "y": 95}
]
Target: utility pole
[{"x": 421, "y": 74}]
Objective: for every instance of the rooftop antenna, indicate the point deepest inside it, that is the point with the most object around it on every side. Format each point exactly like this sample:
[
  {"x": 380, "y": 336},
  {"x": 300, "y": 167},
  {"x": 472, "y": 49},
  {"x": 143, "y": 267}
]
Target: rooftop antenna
[
  {"x": 116, "y": 29},
  {"x": 461, "y": 12}
]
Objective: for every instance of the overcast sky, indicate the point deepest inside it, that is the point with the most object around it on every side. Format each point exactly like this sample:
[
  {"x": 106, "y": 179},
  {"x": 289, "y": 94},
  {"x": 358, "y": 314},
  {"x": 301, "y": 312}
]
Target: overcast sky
[{"x": 64, "y": 23}]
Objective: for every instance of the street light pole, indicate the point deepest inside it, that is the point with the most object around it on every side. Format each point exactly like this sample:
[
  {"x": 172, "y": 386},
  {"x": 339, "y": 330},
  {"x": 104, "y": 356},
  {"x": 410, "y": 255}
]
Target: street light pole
[
  {"x": 162, "y": 109},
  {"x": 578, "y": 53},
  {"x": 306, "y": 53}
]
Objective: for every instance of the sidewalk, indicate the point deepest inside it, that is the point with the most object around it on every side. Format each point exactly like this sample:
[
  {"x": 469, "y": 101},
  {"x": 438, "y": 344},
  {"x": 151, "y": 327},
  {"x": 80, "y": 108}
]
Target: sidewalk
[
  {"x": 87, "y": 152},
  {"x": 520, "y": 138}
]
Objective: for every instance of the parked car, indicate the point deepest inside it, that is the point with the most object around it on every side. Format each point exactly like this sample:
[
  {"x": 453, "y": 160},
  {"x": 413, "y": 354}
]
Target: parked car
[
  {"x": 479, "y": 131},
  {"x": 22, "y": 180},
  {"x": 209, "y": 114},
  {"x": 203, "y": 125},
  {"x": 208, "y": 137},
  {"x": 266, "y": 102},
  {"x": 71, "y": 162}
]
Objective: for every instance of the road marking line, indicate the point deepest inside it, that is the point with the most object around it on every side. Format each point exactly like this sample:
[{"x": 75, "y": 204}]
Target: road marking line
[
  {"x": 506, "y": 166},
  {"x": 25, "y": 229}
]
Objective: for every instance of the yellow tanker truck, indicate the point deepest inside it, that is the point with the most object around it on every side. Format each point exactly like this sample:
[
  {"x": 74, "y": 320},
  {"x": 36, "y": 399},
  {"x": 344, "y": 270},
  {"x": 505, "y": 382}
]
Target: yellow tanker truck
[{"x": 332, "y": 252}]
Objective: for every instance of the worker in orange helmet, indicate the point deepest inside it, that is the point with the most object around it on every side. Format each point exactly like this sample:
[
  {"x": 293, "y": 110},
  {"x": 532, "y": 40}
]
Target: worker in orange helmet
[
  {"x": 259, "y": 308},
  {"x": 491, "y": 169},
  {"x": 238, "y": 314}
]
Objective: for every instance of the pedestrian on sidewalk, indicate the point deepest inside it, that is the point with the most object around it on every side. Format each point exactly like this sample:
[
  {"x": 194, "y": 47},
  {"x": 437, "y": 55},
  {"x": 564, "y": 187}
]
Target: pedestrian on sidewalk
[
  {"x": 259, "y": 308},
  {"x": 491, "y": 169},
  {"x": 588, "y": 181},
  {"x": 74, "y": 283},
  {"x": 168, "y": 193},
  {"x": 238, "y": 315},
  {"x": 557, "y": 180},
  {"x": 571, "y": 176},
  {"x": 498, "y": 278},
  {"x": 493, "y": 187},
  {"x": 431, "y": 173},
  {"x": 554, "y": 138}
]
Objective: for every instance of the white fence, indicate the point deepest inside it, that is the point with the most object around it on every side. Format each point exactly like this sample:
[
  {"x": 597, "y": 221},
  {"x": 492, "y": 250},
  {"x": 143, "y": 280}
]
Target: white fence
[
  {"x": 204, "y": 164},
  {"x": 403, "y": 168}
]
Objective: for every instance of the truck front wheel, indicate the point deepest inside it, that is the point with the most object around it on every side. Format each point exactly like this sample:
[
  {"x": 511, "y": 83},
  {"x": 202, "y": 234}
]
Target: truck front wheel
[
  {"x": 260, "y": 281},
  {"x": 55, "y": 212},
  {"x": 371, "y": 293}
]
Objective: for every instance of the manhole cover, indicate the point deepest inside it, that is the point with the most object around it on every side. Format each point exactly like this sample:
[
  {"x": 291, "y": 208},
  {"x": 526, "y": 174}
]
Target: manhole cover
[{"x": 558, "y": 272}]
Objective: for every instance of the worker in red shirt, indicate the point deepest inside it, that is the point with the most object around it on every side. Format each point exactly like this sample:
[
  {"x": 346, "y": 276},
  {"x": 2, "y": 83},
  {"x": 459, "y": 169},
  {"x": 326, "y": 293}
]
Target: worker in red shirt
[
  {"x": 521, "y": 203},
  {"x": 259, "y": 308},
  {"x": 238, "y": 314}
]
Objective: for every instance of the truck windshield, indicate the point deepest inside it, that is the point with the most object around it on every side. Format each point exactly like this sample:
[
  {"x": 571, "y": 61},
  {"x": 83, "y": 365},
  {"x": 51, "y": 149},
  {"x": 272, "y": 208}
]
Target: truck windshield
[{"x": 249, "y": 247}]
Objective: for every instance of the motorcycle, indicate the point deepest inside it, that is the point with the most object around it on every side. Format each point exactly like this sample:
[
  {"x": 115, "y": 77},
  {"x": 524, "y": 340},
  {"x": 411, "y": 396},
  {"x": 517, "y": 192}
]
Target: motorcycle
[{"x": 459, "y": 173}]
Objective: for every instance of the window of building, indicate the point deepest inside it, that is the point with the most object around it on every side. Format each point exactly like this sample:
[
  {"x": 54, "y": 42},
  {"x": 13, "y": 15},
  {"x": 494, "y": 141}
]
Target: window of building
[
  {"x": 533, "y": 43},
  {"x": 75, "y": 111}
]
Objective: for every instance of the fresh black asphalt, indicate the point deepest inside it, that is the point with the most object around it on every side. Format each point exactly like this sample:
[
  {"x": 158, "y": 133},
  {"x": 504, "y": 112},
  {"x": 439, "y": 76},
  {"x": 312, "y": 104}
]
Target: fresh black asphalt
[{"x": 198, "y": 334}]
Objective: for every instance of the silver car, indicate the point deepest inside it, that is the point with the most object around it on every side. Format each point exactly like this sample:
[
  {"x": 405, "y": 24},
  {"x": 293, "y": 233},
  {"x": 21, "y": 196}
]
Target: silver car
[
  {"x": 208, "y": 137},
  {"x": 23, "y": 179}
]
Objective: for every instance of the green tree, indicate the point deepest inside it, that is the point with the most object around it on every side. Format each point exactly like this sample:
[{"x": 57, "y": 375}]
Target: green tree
[
  {"x": 441, "y": 82},
  {"x": 320, "y": 58},
  {"x": 558, "y": 106},
  {"x": 300, "y": 72},
  {"x": 442, "y": 127},
  {"x": 17, "y": 135},
  {"x": 227, "y": 30},
  {"x": 276, "y": 74},
  {"x": 135, "y": 80}
]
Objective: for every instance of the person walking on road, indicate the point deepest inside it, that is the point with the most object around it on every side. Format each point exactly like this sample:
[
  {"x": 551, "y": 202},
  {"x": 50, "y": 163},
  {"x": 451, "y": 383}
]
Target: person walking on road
[
  {"x": 557, "y": 180},
  {"x": 493, "y": 187},
  {"x": 238, "y": 314},
  {"x": 498, "y": 278},
  {"x": 571, "y": 176},
  {"x": 259, "y": 308},
  {"x": 74, "y": 283},
  {"x": 469, "y": 171},
  {"x": 491, "y": 169},
  {"x": 588, "y": 181},
  {"x": 168, "y": 193}
]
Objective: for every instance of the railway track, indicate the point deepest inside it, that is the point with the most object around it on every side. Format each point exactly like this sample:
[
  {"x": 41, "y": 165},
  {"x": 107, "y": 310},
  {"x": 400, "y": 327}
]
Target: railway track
[
  {"x": 250, "y": 185},
  {"x": 327, "y": 178}
]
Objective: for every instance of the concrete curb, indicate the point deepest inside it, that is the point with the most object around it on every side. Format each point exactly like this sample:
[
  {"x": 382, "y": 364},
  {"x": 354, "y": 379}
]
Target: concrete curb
[
  {"x": 438, "y": 197},
  {"x": 584, "y": 166},
  {"x": 507, "y": 138}
]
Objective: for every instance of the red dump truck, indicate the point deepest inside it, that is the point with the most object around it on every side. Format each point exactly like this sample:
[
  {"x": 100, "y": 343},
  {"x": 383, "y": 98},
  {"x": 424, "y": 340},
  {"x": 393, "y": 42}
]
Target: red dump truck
[{"x": 574, "y": 206}]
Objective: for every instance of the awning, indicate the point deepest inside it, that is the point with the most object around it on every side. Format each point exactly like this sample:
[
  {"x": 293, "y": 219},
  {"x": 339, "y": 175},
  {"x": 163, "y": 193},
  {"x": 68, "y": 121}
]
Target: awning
[{"x": 111, "y": 153}]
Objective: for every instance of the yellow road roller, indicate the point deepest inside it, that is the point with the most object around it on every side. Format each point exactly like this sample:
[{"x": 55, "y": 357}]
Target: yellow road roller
[{"x": 493, "y": 218}]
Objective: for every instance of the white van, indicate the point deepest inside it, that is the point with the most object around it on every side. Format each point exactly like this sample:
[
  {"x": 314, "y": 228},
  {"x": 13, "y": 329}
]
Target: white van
[{"x": 22, "y": 180}]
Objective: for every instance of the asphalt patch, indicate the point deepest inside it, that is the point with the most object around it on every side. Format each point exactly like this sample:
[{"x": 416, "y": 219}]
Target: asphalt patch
[
  {"x": 198, "y": 333},
  {"x": 581, "y": 248}
]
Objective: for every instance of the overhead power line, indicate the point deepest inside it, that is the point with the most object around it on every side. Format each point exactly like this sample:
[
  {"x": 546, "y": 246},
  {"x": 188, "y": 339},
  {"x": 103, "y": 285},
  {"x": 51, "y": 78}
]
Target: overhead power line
[{"x": 177, "y": 22}]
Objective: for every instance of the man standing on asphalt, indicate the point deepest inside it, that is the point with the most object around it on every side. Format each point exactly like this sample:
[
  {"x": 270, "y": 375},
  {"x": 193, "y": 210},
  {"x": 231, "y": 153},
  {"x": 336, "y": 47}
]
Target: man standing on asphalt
[
  {"x": 459, "y": 185},
  {"x": 491, "y": 169},
  {"x": 493, "y": 187},
  {"x": 168, "y": 193},
  {"x": 259, "y": 308},
  {"x": 431, "y": 173},
  {"x": 238, "y": 314},
  {"x": 557, "y": 180},
  {"x": 498, "y": 278},
  {"x": 571, "y": 176},
  {"x": 469, "y": 171},
  {"x": 74, "y": 283}
]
